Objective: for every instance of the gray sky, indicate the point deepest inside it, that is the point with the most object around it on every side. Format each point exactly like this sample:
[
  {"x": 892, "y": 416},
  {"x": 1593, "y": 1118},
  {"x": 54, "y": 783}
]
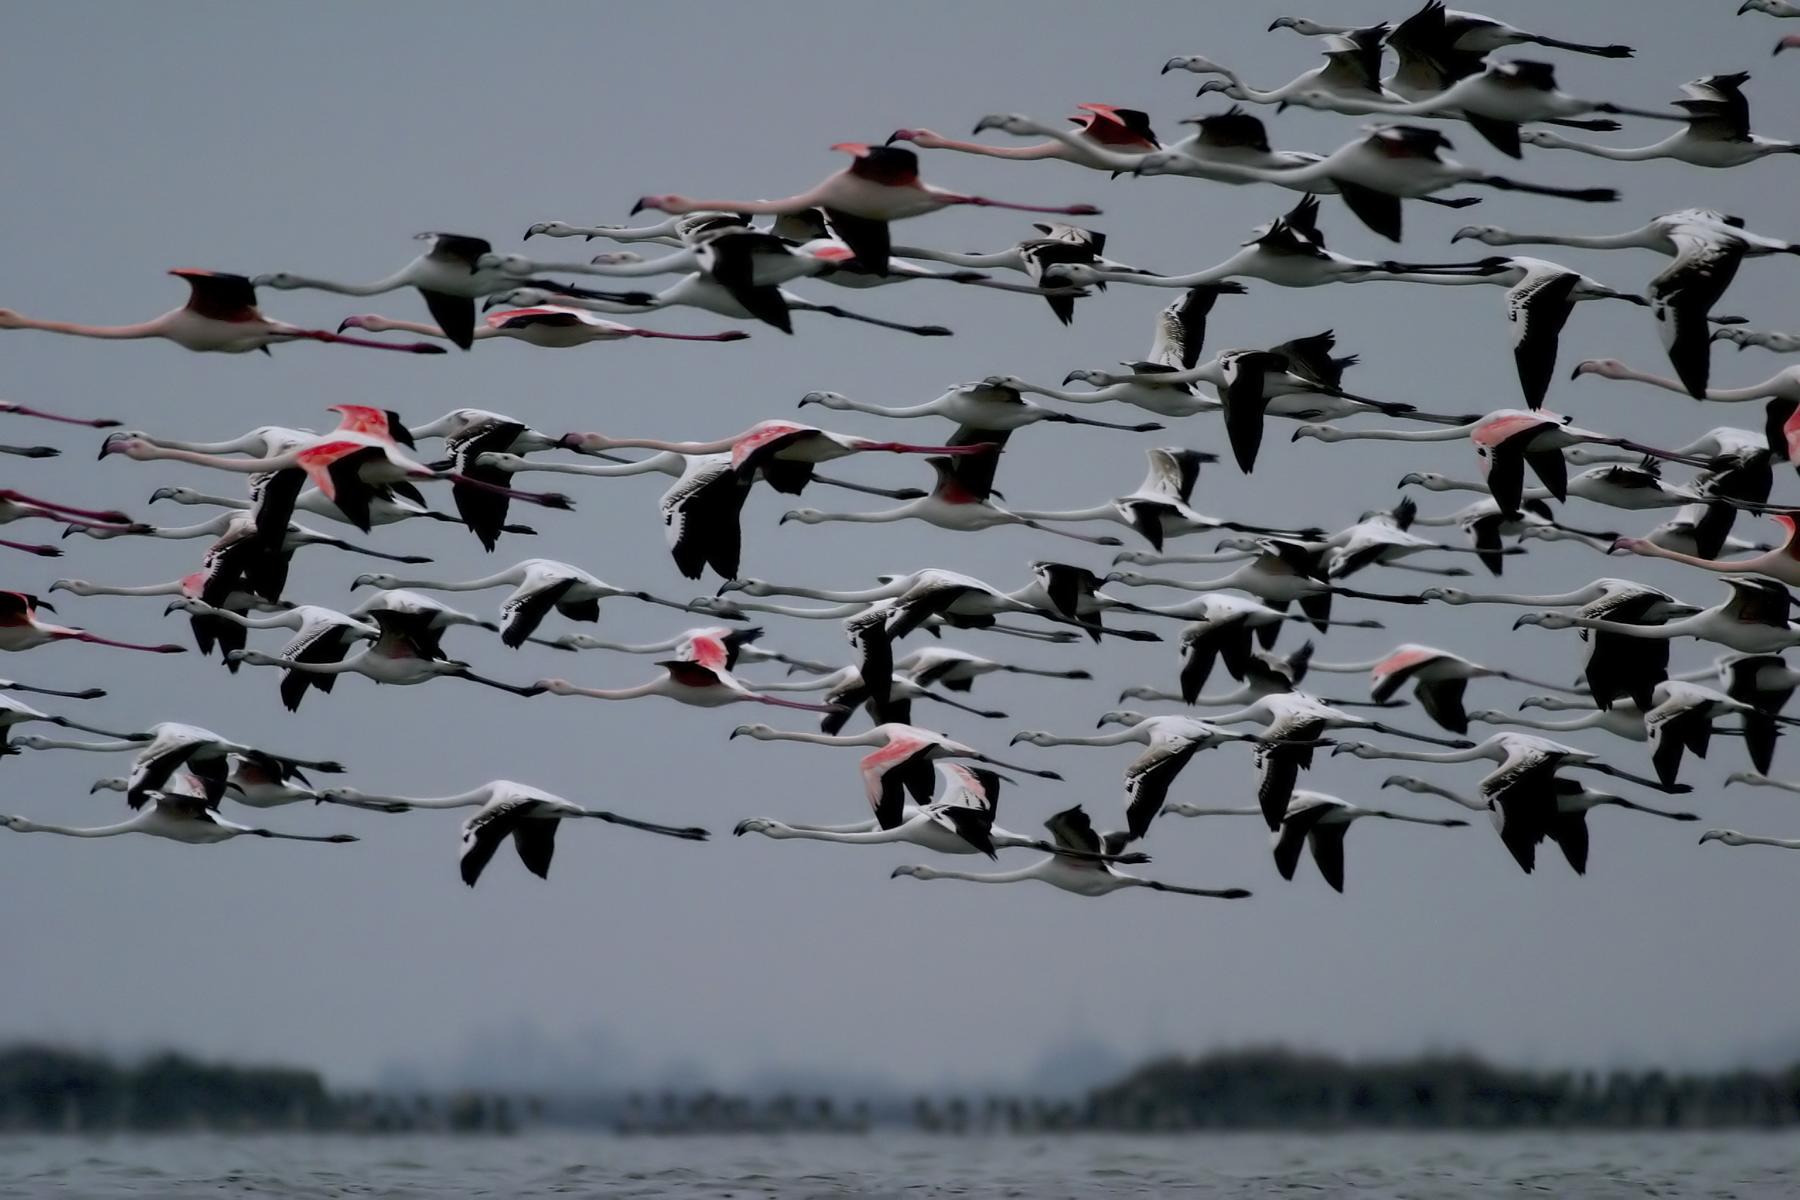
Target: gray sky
[{"x": 319, "y": 140}]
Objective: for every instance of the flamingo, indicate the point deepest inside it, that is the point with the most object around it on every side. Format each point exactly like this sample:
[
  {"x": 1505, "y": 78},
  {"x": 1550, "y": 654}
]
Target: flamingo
[
  {"x": 169, "y": 747},
  {"x": 14, "y": 712},
  {"x": 348, "y": 471},
  {"x": 979, "y": 408},
  {"x": 960, "y": 502},
  {"x": 958, "y": 670},
  {"x": 383, "y": 510},
  {"x": 1349, "y": 81},
  {"x": 220, "y": 315},
  {"x": 1683, "y": 717},
  {"x": 1623, "y": 719},
  {"x": 1529, "y": 802},
  {"x": 17, "y": 506},
  {"x": 1170, "y": 743},
  {"x": 529, "y": 815},
  {"x": 178, "y": 818},
  {"x": 1540, "y": 296},
  {"x": 1731, "y": 837},
  {"x": 958, "y": 820},
  {"x": 1279, "y": 573},
  {"x": 1633, "y": 488},
  {"x": 880, "y": 185},
  {"x": 321, "y": 635},
  {"x": 899, "y": 764},
  {"x": 1658, "y": 234},
  {"x": 1440, "y": 679},
  {"x": 1293, "y": 723},
  {"x": 1780, "y": 564},
  {"x": 845, "y": 690},
  {"x": 1505, "y": 441},
  {"x": 1400, "y": 162},
  {"x": 449, "y": 275},
  {"x": 1075, "y": 865},
  {"x": 20, "y": 628},
  {"x": 1519, "y": 755},
  {"x": 539, "y": 585},
  {"x": 208, "y": 630},
  {"x": 1775, "y": 8},
  {"x": 1716, "y": 135},
  {"x": 1160, "y": 507},
  {"x": 397, "y": 657},
  {"x": 1753, "y": 620},
  {"x": 548, "y": 326},
  {"x": 696, "y": 291},
  {"x": 1318, "y": 822},
  {"x": 1103, "y": 133},
  {"x": 1287, "y": 252},
  {"x": 704, "y": 680},
  {"x": 1766, "y": 683},
  {"x": 1499, "y": 99}
]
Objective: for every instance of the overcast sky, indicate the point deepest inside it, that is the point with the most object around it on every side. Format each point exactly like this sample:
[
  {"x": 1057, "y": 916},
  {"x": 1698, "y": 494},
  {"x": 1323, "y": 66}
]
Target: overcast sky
[{"x": 318, "y": 140}]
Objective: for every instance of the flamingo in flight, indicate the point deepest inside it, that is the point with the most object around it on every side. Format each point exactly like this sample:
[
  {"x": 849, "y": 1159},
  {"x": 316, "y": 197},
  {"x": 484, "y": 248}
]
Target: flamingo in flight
[
  {"x": 703, "y": 679},
  {"x": 1505, "y": 442},
  {"x": 220, "y": 315},
  {"x": 528, "y": 815},
  {"x": 880, "y": 185},
  {"x": 178, "y": 818},
  {"x": 548, "y": 326},
  {"x": 20, "y": 628},
  {"x": 454, "y": 272},
  {"x": 1103, "y": 134},
  {"x": 959, "y": 820},
  {"x": 1085, "y": 873},
  {"x": 1528, "y": 802},
  {"x": 1717, "y": 133},
  {"x": 348, "y": 470},
  {"x": 772, "y": 305},
  {"x": 1317, "y": 822},
  {"x": 17, "y": 506}
]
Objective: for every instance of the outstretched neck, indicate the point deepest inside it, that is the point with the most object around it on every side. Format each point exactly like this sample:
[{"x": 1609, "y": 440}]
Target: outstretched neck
[
  {"x": 1052, "y": 149},
  {"x": 143, "y": 329}
]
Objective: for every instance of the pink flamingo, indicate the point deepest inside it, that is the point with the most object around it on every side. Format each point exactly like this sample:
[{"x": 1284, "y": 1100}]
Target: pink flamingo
[
  {"x": 220, "y": 315},
  {"x": 349, "y": 467},
  {"x": 1781, "y": 564},
  {"x": 783, "y": 452},
  {"x": 17, "y": 506},
  {"x": 702, "y": 679},
  {"x": 881, "y": 184},
  {"x": 1105, "y": 127},
  {"x": 549, "y": 326},
  {"x": 21, "y": 630}
]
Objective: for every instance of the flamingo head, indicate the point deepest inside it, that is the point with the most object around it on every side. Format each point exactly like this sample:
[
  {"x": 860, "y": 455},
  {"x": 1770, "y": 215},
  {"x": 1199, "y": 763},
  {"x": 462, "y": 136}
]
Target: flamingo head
[
  {"x": 280, "y": 280},
  {"x": 1445, "y": 595},
  {"x": 825, "y": 399},
  {"x": 556, "y": 687},
  {"x": 584, "y": 443},
  {"x": 376, "y": 580},
  {"x": 10, "y": 319},
  {"x": 1493, "y": 235},
  {"x": 615, "y": 258},
  {"x": 1031, "y": 737},
  {"x": 752, "y": 825},
  {"x": 1546, "y": 620},
  {"x": 913, "y": 872},
  {"x": 665, "y": 203},
  {"x": 1431, "y": 481},
  {"x": 1301, "y": 26},
  {"x": 365, "y": 321},
  {"x": 1195, "y": 63},
  {"x": 1084, "y": 375},
  {"x": 755, "y": 730},
  {"x": 1405, "y": 782},
  {"x": 919, "y": 136},
  {"x": 128, "y": 444},
  {"x": 16, "y": 824},
  {"x": 1219, "y": 85},
  {"x": 1730, "y": 837},
  {"x": 1013, "y": 123},
  {"x": 1627, "y": 545},
  {"x": 1606, "y": 368},
  {"x": 1119, "y": 716}
]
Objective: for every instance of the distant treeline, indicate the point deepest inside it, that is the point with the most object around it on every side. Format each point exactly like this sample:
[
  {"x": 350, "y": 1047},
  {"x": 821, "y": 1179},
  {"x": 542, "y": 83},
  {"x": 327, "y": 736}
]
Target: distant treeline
[
  {"x": 45, "y": 1089},
  {"x": 51, "y": 1090},
  {"x": 1281, "y": 1089}
]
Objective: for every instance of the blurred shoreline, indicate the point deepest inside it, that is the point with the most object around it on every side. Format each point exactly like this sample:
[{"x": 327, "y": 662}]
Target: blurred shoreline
[{"x": 46, "y": 1089}]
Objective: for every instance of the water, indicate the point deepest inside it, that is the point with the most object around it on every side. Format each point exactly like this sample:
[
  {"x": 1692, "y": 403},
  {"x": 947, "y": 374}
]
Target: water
[{"x": 1401, "y": 1167}]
